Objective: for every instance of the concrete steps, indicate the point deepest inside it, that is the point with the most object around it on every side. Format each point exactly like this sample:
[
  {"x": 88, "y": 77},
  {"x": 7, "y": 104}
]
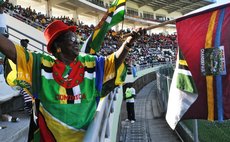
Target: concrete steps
[
  {"x": 15, "y": 131},
  {"x": 11, "y": 104}
]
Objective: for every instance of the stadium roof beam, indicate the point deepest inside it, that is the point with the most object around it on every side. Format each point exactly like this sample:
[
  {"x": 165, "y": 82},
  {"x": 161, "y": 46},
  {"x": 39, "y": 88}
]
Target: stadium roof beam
[
  {"x": 174, "y": 5},
  {"x": 143, "y": 3},
  {"x": 54, "y": 2},
  {"x": 68, "y": 6},
  {"x": 193, "y": 6},
  {"x": 159, "y": 3}
]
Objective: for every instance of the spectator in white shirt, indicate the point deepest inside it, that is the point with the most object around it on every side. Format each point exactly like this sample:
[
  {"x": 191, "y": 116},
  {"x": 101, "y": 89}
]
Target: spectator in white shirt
[{"x": 130, "y": 94}]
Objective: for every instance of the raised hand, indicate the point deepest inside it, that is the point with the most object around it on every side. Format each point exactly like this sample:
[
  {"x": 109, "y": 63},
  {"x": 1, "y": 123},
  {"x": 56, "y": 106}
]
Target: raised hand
[{"x": 137, "y": 33}]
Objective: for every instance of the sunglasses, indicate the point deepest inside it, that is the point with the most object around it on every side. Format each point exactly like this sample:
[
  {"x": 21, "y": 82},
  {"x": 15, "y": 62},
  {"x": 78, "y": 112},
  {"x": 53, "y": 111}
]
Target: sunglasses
[{"x": 69, "y": 36}]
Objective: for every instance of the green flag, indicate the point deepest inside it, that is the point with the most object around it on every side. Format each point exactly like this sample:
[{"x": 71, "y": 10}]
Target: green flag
[
  {"x": 113, "y": 16},
  {"x": 182, "y": 94}
]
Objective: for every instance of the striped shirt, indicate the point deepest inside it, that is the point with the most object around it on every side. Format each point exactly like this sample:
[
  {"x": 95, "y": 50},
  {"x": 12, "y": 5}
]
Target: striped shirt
[{"x": 27, "y": 101}]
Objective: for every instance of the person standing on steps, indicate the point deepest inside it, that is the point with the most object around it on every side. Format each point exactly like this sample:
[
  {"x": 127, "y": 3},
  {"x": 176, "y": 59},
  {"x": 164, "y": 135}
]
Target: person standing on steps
[{"x": 130, "y": 95}]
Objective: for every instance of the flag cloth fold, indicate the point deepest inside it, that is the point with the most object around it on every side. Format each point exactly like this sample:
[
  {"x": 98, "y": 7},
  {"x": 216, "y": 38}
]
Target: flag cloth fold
[
  {"x": 114, "y": 15},
  {"x": 203, "y": 38},
  {"x": 182, "y": 92}
]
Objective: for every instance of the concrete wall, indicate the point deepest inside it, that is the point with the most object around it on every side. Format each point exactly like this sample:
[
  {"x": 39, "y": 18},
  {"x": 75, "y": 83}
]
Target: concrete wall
[{"x": 141, "y": 82}]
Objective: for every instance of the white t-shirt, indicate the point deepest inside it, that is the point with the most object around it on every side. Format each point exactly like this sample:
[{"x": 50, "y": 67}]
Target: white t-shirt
[{"x": 133, "y": 92}]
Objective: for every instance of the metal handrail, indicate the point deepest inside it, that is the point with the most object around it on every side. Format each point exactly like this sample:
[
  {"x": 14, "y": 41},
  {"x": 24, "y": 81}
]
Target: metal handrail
[
  {"x": 28, "y": 37},
  {"x": 98, "y": 129}
]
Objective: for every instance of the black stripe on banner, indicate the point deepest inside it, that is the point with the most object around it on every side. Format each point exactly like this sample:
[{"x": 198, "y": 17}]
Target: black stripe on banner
[
  {"x": 183, "y": 67},
  {"x": 47, "y": 69},
  {"x": 69, "y": 92},
  {"x": 110, "y": 14},
  {"x": 121, "y": 4},
  {"x": 88, "y": 47},
  {"x": 90, "y": 70}
]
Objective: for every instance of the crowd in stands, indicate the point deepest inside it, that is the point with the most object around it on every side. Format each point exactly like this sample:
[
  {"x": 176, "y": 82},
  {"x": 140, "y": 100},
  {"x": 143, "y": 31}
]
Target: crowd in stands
[
  {"x": 147, "y": 50},
  {"x": 33, "y": 18}
]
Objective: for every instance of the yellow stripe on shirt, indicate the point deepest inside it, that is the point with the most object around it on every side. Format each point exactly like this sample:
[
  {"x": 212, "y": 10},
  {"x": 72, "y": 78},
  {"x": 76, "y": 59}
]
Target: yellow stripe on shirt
[
  {"x": 109, "y": 72},
  {"x": 24, "y": 68}
]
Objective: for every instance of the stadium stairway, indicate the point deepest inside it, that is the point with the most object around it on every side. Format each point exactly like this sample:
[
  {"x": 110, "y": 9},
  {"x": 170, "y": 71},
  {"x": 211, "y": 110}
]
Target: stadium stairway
[
  {"x": 150, "y": 125},
  {"x": 11, "y": 103}
]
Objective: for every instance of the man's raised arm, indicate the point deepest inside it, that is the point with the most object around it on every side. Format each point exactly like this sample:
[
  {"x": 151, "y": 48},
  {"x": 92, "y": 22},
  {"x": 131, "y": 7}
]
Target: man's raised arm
[
  {"x": 7, "y": 48},
  {"x": 122, "y": 52}
]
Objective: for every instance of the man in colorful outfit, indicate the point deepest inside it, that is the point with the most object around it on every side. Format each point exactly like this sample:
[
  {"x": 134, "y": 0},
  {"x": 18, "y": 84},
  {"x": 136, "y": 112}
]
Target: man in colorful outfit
[{"x": 64, "y": 87}]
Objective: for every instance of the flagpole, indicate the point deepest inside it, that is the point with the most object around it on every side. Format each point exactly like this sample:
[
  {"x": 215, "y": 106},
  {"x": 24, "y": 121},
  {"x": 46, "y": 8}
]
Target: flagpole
[
  {"x": 161, "y": 24},
  {"x": 195, "y": 131},
  {"x": 154, "y": 26}
]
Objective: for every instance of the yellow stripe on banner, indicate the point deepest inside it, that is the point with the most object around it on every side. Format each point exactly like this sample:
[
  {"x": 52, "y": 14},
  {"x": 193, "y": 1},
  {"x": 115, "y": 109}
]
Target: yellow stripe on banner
[
  {"x": 61, "y": 131},
  {"x": 92, "y": 51},
  {"x": 90, "y": 64},
  {"x": 47, "y": 63},
  {"x": 120, "y": 70},
  {"x": 121, "y": 1},
  {"x": 95, "y": 33},
  {"x": 183, "y": 62},
  {"x": 209, "y": 79},
  {"x": 62, "y": 92},
  {"x": 112, "y": 9}
]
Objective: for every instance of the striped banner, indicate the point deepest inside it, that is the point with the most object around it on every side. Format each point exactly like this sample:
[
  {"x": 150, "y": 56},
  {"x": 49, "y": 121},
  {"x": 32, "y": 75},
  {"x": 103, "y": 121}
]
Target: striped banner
[
  {"x": 206, "y": 33},
  {"x": 185, "y": 81},
  {"x": 219, "y": 86},
  {"x": 182, "y": 94},
  {"x": 113, "y": 16}
]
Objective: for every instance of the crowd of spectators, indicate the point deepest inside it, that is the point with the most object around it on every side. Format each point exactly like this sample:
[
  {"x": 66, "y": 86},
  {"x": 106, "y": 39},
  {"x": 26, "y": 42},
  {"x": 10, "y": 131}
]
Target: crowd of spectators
[
  {"x": 147, "y": 50},
  {"x": 34, "y": 18}
]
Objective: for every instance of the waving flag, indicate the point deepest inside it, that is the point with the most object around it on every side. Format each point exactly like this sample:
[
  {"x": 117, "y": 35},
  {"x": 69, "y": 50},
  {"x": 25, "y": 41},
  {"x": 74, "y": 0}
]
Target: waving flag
[
  {"x": 183, "y": 92},
  {"x": 203, "y": 38},
  {"x": 113, "y": 16}
]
